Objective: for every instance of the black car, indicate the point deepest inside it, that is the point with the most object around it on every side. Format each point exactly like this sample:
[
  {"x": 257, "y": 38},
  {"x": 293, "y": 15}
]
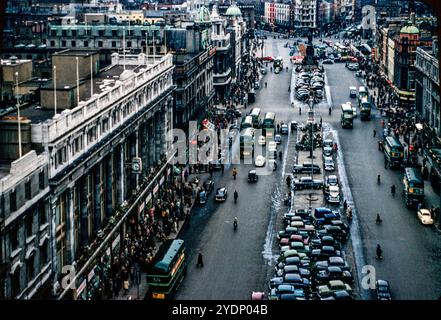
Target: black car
[
  {"x": 221, "y": 194},
  {"x": 382, "y": 288},
  {"x": 307, "y": 183},
  {"x": 333, "y": 261},
  {"x": 296, "y": 280},
  {"x": 324, "y": 241},
  {"x": 208, "y": 185},
  {"x": 328, "y": 61},
  {"x": 252, "y": 176},
  {"x": 306, "y": 168},
  {"x": 333, "y": 273},
  {"x": 304, "y": 272},
  {"x": 324, "y": 253}
]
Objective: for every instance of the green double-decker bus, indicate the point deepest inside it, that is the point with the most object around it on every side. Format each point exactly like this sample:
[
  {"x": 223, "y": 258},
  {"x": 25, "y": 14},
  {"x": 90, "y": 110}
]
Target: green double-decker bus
[
  {"x": 268, "y": 125},
  {"x": 413, "y": 185},
  {"x": 393, "y": 152},
  {"x": 167, "y": 271},
  {"x": 365, "y": 109}
]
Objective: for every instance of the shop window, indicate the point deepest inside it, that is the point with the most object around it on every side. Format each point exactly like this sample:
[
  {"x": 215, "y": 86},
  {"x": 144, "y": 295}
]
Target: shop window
[
  {"x": 30, "y": 269},
  {"x": 13, "y": 238}
]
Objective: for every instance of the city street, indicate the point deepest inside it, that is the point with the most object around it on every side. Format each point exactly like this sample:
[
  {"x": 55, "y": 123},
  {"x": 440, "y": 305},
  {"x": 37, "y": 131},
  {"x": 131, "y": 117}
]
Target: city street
[{"x": 237, "y": 263}]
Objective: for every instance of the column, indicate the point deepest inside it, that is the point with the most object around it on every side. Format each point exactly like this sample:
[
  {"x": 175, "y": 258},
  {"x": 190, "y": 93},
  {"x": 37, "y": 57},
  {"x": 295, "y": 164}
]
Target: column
[
  {"x": 53, "y": 238},
  {"x": 84, "y": 210},
  {"x": 121, "y": 173},
  {"x": 96, "y": 199},
  {"x": 144, "y": 148},
  {"x": 151, "y": 141},
  {"x": 70, "y": 224},
  {"x": 158, "y": 141},
  {"x": 109, "y": 190}
]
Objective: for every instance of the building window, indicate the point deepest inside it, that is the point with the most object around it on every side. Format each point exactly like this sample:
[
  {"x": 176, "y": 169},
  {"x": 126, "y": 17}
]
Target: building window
[
  {"x": 28, "y": 192},
  {"x": 29, "y": 220},
  {"x": 74, "y": 33},
  {"x": 113, "y": 44},
  {"x": 86, "y": 43},
  {"x": 101, "y": 33},
  {"x": 73, "y": 43},
  {"x": 63, "y": 43},
  {"x": 43, "y": 255},
  {"x": 105, "y": 125},
  {"x": 41, "y": 180},
  {"x": 64, "y": 33},
  {"x": 42, "y": 214},
  {"x": 13, "y": 238},
  {"x": 13, "y": 201},
  {"x": 30, "y": 270},
  {"x": 114, "y": 33},
  {"x": 100, "y": 44},
  {"x": 129, "y": 44},
  {"x": 52, "y": 43},
  {"x": 53, "y": 33}
]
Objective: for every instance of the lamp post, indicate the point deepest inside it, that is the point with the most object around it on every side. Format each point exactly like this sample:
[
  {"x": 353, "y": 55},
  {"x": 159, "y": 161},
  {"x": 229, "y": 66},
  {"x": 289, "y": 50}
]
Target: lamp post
[{"x": 18, "y": 115}]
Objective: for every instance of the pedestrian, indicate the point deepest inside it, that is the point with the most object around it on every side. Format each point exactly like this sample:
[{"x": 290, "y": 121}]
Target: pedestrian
[
  {"x": 330, "y": 110},
  {"x": 345, "y": 206},
  {"x": 385, "y": 163},
  {"x": 419, "y": 206},
  {"x": 278, "y": 128},
  {"x": 288, "y": 182},
  {"x": 375, "y": 133},
  {"x": 300, "y": 110},
  {"x": 200, "y": 262},
  {"x": 222, "y": 168},
  {"x": 379, "y": 145}
]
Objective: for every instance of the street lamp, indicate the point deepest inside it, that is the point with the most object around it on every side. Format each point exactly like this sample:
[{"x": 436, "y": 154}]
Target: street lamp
[{"x": 18, "y": 116}]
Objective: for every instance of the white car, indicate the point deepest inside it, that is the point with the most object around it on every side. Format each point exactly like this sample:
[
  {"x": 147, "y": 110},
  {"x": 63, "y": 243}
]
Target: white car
[
  {"x": 328, "y": 164},
  {"x": 260, "y": 161},
  {"x": 261, "y": 141},
  {"x": 278, "y": 138},
  {"x": 333, "y": 195},
  {"x": 424, "y": 216}
]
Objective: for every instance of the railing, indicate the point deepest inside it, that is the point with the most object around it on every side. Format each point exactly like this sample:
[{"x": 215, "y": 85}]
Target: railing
[{"x": 69, "y": 119}]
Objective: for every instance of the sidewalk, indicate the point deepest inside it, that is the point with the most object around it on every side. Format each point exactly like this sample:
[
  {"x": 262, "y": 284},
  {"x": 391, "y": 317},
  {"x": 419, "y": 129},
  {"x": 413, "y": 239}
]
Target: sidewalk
[{"x": 138, "y": 289}]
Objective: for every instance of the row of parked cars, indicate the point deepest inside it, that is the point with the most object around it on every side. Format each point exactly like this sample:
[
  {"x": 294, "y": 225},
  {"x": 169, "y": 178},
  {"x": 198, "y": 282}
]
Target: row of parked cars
[
  {"x": 307, "y": 81},
  {"x": 312, "y": 264}
]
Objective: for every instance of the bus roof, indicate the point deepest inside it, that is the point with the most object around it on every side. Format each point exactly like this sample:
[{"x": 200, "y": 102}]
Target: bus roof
[
  {"x": 362, "y": 89},
  {"x": 248, "y": 132},
  {"x": 393, "y": 142},
  {"x": 255, "y": 112},
  {"x": 270, "y": 115},
  {"x": 413, "y": 175},
  {"x": 346, "y": 107},
  {"x": 248, "y": 119},
  {"x": 364, "y": 100},
  {"x": 166, "y": 253}
]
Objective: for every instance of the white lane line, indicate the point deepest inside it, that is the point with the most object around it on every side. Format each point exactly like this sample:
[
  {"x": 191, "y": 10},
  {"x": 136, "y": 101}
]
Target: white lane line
[
  {"x": 267, "y": 252},
  {"x": 285, "y": 155}
]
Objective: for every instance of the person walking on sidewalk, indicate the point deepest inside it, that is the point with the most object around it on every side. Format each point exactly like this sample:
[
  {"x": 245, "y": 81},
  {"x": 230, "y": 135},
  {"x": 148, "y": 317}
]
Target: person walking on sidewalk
[
  {"x": 374, "y": 133},
  {"x": 200, "y": 262},
  {"x": 222, "y": 168}
]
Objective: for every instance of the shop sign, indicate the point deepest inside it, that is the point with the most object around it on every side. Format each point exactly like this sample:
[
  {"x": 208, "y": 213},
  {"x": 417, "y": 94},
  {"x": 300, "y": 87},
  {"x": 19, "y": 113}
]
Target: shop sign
[
  {"x": 149, "y": 198},
  {"x": 116, "y": 241},
  {"x": 90, "y": 275},
  {"x": 81, "y": 287},
  {"x": 141, "y": 207}
]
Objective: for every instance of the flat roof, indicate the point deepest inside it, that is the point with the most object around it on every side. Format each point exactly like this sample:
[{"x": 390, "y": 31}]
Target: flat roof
[
  {"x": 70, "y": 52},
  {"x": 102, "y": 81}
]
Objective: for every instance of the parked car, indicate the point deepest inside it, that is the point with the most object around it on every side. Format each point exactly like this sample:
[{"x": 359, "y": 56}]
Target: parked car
[
  {"x": 328, "y": 163},
  {"x": 307, "y": 183},
  {"x": 358, "y": 73},
  {"x": 334, "y": 261},
  {"x": 334, "y": 273},
  {"x": 284, "y": 129},
  {"x": 261, "y": 141},
  {"x": 256, "y": 85},
  {"x": 221, "y": 194},
  {"x": 260, "y": 161},
  {"x": 382, "y": 288},
  {"x": 278, "y": 138},
  {"x": 324, "y": 253},
  {"x": 330, "y": 180},
  {"x": 252, "y": 176},
  {"x": 208, "y": 185},
  {"x": 333, "y": 195},
  {"x": 327, "y": 151},
  {"x": 333, "y": 286},
  {"x": 425, "y": 217},
  {"x": 306, "y": 167},
  {"x": 324, "y": 241}
]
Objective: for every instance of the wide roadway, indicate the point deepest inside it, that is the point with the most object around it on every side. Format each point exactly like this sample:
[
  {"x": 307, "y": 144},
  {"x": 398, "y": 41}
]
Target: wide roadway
[{"x": 236, "y": 263}]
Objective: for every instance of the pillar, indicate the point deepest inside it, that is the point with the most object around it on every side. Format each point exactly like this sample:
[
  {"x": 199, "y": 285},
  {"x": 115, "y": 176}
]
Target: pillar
[
  {"x": 84, "y": 210},
  {"x": 109, "y": 190},
  {"x": 96, "y": 198},
  {"x": 70, "y": 224}
]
